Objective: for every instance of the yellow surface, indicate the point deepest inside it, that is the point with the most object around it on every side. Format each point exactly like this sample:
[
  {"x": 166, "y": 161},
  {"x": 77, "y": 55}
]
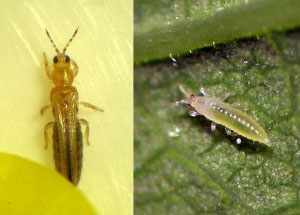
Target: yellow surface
[
  {"x": 35, "y": 190},
  {"x": 103, "y": 51}
]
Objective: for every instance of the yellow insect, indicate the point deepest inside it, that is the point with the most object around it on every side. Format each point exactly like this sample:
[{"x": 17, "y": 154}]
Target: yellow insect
[
  {"x": 223, "y": 113},
  {"x": 67, "y": 136}
]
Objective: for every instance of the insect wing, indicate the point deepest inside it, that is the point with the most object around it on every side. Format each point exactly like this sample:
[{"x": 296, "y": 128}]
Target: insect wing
[
  {"x": 67, "y": 138},
  {"x": 60, "y": 147}
]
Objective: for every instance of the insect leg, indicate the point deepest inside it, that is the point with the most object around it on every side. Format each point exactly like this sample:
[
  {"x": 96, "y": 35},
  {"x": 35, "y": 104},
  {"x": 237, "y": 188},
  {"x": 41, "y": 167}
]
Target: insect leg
[
  {"x": 193, "y": 113},
  {"x": 46, "y": 128},
  {"x": 43, "y": 109},
  {"x": 88, "y": 105},
  {"x": 230, "y": 132},
  {"x": 203, "y": 91},
  {"x": 87, "y": 130},
  {"x": 47, "y": 68},
  {"x": 75, "y": 67},
  {"x": 213, "y": 126}
]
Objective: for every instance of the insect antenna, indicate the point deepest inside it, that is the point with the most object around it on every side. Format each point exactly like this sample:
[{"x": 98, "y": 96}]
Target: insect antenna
[
  {"x": 184, "y": 91},
  {"x": 52, "y": 42},
  {"x": 176, "y": 104},
  {"x": 68, "y": 43}
]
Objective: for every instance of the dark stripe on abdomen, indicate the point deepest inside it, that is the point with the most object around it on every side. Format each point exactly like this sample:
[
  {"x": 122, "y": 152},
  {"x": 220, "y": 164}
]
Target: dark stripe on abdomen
[{"x": 68, "y": 164}]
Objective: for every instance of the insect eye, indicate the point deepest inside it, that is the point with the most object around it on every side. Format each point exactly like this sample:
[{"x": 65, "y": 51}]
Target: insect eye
[
  {"x": 55, "y": 59},
  {"x": 67, "y": 59},
  {"x": 193, "y": 97}
]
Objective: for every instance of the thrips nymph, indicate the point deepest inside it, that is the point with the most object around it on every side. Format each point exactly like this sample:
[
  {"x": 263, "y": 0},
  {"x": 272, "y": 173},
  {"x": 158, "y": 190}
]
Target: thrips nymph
[
  {"x": 225, "y": 114},
  {"x": 67, "y": 136}
]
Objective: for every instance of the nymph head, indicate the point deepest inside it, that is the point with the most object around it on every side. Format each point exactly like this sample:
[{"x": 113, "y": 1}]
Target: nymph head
[{"x": 190, "y": 98}]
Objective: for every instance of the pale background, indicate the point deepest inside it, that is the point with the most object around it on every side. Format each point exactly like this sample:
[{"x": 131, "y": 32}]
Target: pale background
[{"x": 103, "y": 50}]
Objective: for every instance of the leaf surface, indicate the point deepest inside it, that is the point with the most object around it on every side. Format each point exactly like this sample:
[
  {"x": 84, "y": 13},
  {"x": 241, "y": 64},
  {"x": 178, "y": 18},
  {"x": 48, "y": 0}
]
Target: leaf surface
[
  {"x": 181, "y": 167},
  {"x": 174, "y": 27}
]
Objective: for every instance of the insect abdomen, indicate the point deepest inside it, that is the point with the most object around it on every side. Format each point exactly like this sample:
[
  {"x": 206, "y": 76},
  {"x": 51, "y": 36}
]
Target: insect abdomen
[
  {"x": 67, "y": 149},
  {"x": 76, "y": 155},
  {"x": 235, "y": 120}
]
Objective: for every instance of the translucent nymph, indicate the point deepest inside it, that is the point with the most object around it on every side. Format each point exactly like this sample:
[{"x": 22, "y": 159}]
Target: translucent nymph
[{"x": 224, "y": 114}]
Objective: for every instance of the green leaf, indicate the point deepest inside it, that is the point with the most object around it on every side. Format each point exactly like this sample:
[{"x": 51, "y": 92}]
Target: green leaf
[
  {"x": 174, "y": 27},
  {"x": 201, "y": 172},
  {"x": 29, "y": 188}
]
